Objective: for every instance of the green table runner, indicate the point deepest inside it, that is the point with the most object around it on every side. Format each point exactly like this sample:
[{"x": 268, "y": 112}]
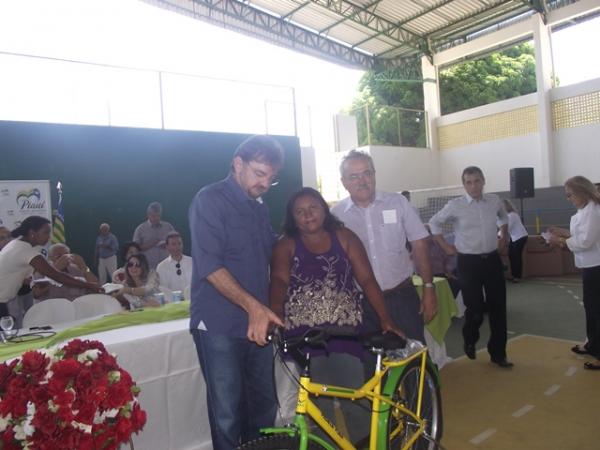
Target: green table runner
[
  {"x": 437, "y": 327},
  {"x": 446, "y": 307},
  {"x": 120, "y": 320}
]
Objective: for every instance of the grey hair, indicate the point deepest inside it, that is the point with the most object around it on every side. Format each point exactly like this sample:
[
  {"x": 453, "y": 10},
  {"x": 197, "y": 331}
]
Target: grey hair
[
  {"x": 355, "y": 154},
  {"x": 54, "y": 247},
  {"x": 154, "y": 207}
]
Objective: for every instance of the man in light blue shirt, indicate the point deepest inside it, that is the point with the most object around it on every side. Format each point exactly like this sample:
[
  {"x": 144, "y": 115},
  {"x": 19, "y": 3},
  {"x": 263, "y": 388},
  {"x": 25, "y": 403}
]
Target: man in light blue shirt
[
  {"x": 476, "y": 217},
  {"x": 385, "y": 222}
]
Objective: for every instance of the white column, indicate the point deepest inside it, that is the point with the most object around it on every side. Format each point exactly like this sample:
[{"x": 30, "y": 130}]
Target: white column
[
  {"x": 544, "y": 73},
  {"x": 431, "y": 100}
]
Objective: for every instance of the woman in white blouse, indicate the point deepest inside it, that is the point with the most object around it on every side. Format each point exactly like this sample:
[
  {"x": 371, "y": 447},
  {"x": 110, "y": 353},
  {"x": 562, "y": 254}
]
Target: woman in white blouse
[
  {"x": 583, "y": 239},
  {"x": 21, "y": 256},
  {"x": 518, "y": 239}
]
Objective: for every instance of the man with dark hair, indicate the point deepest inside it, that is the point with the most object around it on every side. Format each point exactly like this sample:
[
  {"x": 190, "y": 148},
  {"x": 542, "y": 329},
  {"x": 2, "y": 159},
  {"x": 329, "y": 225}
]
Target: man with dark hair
[
  {"x": 232, "y": 240},
  {"x": 175, "y": 271},
  {"x": 475, "y": 217},
  {"x": 385, "y": 222},
  {"x": 151, "y": 234}
]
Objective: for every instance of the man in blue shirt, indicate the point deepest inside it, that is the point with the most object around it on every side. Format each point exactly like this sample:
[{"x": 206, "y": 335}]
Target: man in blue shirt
[{"x": 231, "y": 249}]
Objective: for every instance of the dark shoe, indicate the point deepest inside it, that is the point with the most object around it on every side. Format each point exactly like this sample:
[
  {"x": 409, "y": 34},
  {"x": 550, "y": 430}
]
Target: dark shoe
[
  {"x": 470, "y": 351},
  {"x": 580, "y": 350},
  {"x": 503, "y": 363},
  {"x": 591, "y": 366}
]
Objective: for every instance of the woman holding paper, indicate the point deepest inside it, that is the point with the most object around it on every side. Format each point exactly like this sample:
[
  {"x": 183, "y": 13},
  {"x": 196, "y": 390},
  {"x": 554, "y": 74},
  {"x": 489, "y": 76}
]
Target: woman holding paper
[
  {"x": 21, "y": 257},
  {"x": 583, "y": 239}
]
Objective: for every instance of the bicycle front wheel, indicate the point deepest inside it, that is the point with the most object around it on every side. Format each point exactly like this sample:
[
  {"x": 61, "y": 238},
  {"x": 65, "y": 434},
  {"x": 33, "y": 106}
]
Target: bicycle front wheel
[
  {"x": 278, "y": 442},
  {"x": 401, "y": 428}
]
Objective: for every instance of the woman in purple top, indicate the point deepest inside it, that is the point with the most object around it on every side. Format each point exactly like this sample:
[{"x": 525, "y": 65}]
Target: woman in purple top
[{"x": 316, "y": 270}]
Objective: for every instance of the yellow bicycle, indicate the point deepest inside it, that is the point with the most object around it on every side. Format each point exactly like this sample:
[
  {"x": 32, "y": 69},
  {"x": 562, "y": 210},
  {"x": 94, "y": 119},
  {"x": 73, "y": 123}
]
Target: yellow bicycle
[{"x": 406, "y": 412}]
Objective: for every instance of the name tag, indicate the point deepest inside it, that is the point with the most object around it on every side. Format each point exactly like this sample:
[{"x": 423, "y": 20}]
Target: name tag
[{"x": 389, "y": 216}]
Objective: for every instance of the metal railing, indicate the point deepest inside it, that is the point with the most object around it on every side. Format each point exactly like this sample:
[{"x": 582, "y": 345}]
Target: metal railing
[{"x": 391, "y": 125}]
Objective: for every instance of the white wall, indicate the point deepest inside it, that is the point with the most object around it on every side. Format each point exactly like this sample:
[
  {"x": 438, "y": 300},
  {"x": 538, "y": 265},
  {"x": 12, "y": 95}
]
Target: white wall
[
  {"x": 309, "y": 167},
  {"x": 578, "y": 148},
  {"x": 404, "y": 168},
  {"x": 495, "y": 158},
  {"x": 577, "y": 151}
]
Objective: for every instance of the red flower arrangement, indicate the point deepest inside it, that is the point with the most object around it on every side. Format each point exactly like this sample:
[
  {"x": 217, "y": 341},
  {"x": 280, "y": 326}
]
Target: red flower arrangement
[{"x": 75, "y": 397}]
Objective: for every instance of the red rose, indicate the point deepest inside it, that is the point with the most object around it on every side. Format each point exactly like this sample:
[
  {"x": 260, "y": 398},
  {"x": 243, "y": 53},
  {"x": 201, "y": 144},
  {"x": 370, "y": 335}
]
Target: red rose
[
  {"x": 84, "y": 382},
  {"x": 57, "y": 385},
  {"x": 138, "y": 417},
  {"x": 65, "y": 369},
  {"x": 123, "y": 429},
  {"x": 86, "y": 413},
  {"x": 34, "y": 364},
  {"x": 6, "y": 372}
]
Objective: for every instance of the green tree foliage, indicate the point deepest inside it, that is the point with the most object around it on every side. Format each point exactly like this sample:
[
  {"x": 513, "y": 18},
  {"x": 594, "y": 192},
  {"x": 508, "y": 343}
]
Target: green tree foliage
[{"x": 498, "y": 76}]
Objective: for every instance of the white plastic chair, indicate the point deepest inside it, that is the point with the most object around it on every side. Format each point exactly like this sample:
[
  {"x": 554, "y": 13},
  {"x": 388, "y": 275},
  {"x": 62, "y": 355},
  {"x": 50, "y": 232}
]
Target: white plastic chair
[
  {"x": 49, "y": 312},
  {"x": 95, "y": 305}
]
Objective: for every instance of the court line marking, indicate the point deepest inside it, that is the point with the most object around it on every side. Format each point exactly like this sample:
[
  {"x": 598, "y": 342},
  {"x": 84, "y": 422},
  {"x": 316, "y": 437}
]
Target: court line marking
[
  {"x": 581, "y": 303},
  {"x": 522, "y": 411},
  {"x": 552, "y": 390},
  {"x": 483, "y": 436},
  {"x": 569, "y": 291},
  {"x": 570, "y": 371},
  {"x": 576, "y": 297}
]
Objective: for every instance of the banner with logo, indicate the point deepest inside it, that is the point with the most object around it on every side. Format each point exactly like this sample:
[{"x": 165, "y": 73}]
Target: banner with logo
[{"x": 21, "y": 199}]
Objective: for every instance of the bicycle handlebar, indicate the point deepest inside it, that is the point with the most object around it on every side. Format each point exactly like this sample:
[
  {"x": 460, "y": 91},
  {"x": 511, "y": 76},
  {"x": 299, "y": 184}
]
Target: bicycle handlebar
[{"x": 319, "y": 336}]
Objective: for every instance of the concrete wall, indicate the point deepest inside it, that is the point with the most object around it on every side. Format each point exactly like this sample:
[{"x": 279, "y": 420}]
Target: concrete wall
[
  {"x": 495, "y": 138},
  {"x": 578, "y": 146},
  {"x": 400, "y": 168}
]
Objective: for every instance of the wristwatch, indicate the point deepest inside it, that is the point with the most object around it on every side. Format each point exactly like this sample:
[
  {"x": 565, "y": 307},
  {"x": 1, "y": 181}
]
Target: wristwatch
[{"x": 428, "y": 285}]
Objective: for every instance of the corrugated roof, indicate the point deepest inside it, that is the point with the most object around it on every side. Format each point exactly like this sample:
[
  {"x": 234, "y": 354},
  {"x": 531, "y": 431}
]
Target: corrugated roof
[{"x": 360, "y": 32}]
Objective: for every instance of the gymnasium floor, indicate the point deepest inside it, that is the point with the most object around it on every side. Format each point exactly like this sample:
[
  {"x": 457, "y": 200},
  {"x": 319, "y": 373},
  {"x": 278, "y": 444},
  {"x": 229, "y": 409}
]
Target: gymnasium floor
[{"x": 547, "y": 401}]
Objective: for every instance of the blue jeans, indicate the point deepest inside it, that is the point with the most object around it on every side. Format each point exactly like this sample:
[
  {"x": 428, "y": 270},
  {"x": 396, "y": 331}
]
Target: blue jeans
[{"x": 240, "y": 389}]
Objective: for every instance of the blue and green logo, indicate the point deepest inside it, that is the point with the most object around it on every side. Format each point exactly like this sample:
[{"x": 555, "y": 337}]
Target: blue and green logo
[{"x": 30, "y": 199}]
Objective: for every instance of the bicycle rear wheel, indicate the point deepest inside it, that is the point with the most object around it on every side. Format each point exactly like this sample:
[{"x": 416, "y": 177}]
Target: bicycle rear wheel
[
  {"x": 278, "y": 442},
  {"x": 402, "y": 428}
]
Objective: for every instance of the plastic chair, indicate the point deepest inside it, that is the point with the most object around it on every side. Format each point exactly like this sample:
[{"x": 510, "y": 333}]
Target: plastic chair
[
  {"x": 49, "y": 312},
  {"x": 95, "y": 305}
]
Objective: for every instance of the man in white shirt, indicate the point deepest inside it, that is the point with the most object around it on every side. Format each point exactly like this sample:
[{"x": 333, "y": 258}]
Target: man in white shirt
[
  {"x": 175, "y": 272},
  {"x": 476, "y": 217},
  {"x": 385, "y": 222}
]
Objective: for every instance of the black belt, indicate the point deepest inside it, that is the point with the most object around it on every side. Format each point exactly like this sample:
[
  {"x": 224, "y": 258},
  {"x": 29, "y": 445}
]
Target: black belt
[
  {"x": 478, "y": 255},
  {"x": 406, "y": 283}
]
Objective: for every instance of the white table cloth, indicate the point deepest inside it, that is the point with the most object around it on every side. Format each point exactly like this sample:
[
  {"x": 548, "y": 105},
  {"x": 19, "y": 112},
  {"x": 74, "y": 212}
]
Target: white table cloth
[{"x": 162, "y": 359}]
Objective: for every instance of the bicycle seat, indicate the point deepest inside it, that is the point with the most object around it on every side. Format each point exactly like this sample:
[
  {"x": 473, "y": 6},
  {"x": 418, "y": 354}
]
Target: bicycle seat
[{"x": 387, "y": 341}]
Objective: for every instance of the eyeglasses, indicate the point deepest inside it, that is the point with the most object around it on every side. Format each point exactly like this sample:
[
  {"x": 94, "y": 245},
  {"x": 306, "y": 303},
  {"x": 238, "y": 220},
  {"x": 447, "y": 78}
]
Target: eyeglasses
[
  {"x": 178, "y": 267},
  {"x": 357, "y": 176},
  {"x": 133, "y": 264},
  {"x": 273, "y": 180}
]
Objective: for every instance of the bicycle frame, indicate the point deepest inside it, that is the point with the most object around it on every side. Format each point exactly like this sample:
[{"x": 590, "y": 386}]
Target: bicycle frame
[{"x": 381, "y": 406}]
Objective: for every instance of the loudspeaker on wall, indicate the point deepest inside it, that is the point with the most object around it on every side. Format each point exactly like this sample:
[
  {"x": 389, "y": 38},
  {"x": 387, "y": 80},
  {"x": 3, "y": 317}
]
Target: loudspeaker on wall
[{"x": 521, "y": 182}]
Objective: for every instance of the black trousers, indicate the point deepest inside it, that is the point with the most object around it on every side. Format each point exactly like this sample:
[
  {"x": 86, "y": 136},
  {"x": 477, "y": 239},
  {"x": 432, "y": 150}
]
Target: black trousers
[
  {"x": 515, "y": 256},
  {"x": 479, "y": 274},
  {"x": 591, "y": 303}
]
